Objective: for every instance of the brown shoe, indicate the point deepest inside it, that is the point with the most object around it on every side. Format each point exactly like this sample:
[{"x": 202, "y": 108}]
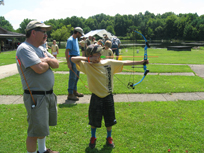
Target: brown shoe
[
  {"x": 78, "y": 94},
  {"x": 49, "y": 151},
  {"x": 72, "y": 97}
]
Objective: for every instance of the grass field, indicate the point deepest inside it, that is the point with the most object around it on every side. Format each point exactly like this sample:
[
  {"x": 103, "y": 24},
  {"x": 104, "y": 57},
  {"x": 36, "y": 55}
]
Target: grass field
[
  {"x": 143, "y": 127},
  {"x": 163, "y": 56},
  {"x": 151, "y": 84},
  {"x": 154, "y": 68}
]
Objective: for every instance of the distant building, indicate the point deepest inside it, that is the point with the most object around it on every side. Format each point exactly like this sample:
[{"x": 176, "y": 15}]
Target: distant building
[{"x": 10, "y": 39}]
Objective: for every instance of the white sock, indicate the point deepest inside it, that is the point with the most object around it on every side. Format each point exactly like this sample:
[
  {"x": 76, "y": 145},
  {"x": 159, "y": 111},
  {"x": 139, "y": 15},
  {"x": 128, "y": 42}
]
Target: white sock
[
  {"x": 32, "y": 152},
  {"x": 41, "y": 145}
]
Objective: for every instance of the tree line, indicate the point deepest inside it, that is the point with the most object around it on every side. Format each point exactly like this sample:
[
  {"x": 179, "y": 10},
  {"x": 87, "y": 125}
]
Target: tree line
[{"x": 165, "y": 26}]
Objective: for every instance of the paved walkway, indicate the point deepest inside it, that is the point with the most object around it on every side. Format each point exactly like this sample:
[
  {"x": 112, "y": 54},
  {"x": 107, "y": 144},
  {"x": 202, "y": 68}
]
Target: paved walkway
[
  {"x": 11, "y": 69},
  {"x": 10, "y": 99},
  {"x": 8, "y": 70}
]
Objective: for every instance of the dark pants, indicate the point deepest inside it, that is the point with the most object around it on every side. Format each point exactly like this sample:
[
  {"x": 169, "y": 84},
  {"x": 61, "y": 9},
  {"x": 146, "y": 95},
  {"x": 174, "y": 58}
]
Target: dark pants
[{"x": 73, "y": 78}]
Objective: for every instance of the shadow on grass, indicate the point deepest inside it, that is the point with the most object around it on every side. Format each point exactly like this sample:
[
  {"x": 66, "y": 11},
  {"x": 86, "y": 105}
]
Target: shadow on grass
[
  {"x": 68, "y": 103},
  {"x": 64, "y": 105},
  {"x": 105, "y": 149}
]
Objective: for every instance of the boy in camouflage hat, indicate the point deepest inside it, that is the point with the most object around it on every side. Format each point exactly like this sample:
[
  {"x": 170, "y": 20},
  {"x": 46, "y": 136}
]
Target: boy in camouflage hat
[{"x": 100, "y": 81}]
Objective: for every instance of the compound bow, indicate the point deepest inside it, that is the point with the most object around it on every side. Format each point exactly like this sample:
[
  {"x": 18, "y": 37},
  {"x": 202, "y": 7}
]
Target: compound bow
[{"x": 130, "y": 84}]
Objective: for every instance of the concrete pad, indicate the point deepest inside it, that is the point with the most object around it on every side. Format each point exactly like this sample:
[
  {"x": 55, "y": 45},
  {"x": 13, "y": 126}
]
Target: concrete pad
[
  {"x": 61, "y": 99},
  {"x": 152, "y": 73},
  {"x": 180, "y": 74},
  {"x": 182, "y": 96},
  {"x": 4, "y": 99},
  {"x": 82, "y": 100},
  {"x": 19, "y": 100},
  {"x": 8, "y": 70},
  {"x": 85, "y": 99},
  {"x": 201, "y": 94},
  {"x": 120, "y": 98},
  {"x": 145, "y": 97},
  {"x": 62, "y": 72},
  {"x": 136, "y": 73},
  {"x": 198, "y": 69}
]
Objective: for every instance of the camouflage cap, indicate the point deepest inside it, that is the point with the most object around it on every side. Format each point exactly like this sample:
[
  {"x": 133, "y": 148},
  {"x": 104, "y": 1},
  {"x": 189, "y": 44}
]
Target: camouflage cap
[
  {"x": 92, "y": 49},
  {"x": 37, "y": 24}
]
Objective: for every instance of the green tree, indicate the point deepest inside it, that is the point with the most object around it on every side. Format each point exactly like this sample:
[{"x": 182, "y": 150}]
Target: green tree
[
  {"x": 149, "y": 15},
  {"x": 62, "y": 34},
  {"x": 170, "y": 28},
  {"x": 102, "y": 25},
  {"x": 86, "y": 29},
  {"x": 165, "y": 15},
  {"x": 161, "y": 26},
  {"x": 23, "y": 25},
  {"x": 150, "y": 33},
  {"x": 200, "y": 27},
  {"x": 180, "y": 24},
  {"x": 6, "y": 24},
  {"x": 159, "y": 33},
  {"x": 77, "y": 22},
  {"x": 190, "y": 17},
  {"x": 201, "y": 32},
  {"x": 110, "y": 29},
  {"x": 119, "y": 25},
  {"x": 56, "y": 24},
  {"x": 92, "y": 23},
  {"x": 188, "y": 32}
]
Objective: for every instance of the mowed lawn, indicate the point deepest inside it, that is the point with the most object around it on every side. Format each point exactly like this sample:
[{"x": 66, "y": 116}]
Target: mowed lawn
[{"x": 142, "y": 127}]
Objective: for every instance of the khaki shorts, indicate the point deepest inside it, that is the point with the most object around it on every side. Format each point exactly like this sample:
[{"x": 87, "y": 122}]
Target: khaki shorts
[{"x": 42, "y": 116}]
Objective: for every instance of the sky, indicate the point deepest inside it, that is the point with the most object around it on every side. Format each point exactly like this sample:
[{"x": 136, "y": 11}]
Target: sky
[{"x": 15, "y": 11}]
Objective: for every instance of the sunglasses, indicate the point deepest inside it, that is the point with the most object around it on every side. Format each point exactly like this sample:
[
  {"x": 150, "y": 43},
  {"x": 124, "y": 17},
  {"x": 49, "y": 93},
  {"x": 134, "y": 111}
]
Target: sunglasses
[{"x": 45, "y": 32}]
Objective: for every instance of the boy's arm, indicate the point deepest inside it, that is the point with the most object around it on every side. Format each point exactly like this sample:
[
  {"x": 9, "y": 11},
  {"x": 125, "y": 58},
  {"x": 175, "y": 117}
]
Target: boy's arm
[
  {"x": 77, "y": 59},
  {"x": 135, "y": 62}
]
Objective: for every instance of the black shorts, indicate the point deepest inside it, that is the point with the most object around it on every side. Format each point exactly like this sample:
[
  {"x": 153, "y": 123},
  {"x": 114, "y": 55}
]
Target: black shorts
[{"x": 101, "y": 107}]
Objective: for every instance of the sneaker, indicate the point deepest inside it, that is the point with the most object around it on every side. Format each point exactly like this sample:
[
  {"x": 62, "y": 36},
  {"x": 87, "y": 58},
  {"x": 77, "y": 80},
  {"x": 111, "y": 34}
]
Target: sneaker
[
  {"x": 109, "y": 142},
  {"x": 49, "y": 151},
  {"x": 79, "y": 94},
  {"x": 72, "y": 97},
  {"x": 92, "y": 143}
]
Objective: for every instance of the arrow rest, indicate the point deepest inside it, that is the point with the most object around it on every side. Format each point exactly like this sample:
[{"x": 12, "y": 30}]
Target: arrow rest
[{"x": 130, "y": 85}]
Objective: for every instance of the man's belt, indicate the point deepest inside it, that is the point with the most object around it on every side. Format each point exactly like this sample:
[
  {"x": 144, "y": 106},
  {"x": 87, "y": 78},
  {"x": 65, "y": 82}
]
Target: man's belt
[{"x": 38, "y": 92}]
